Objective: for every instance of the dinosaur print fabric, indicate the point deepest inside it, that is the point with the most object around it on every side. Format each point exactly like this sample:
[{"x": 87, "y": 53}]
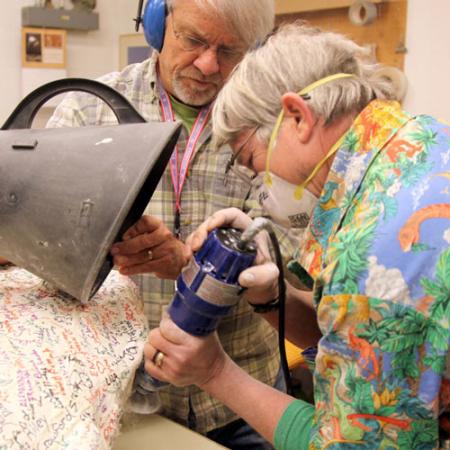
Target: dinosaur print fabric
[{"x": 378, "y": 250}]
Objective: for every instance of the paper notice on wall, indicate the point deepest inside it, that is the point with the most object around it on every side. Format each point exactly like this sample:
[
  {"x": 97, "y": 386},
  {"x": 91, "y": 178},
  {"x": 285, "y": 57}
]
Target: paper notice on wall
[
  {"x": 43, "y": 48},
  {"x": 53, "y": 49}
]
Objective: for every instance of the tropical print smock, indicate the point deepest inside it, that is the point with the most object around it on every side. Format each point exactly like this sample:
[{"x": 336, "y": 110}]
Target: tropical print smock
[{"x": 378, "y": 250}]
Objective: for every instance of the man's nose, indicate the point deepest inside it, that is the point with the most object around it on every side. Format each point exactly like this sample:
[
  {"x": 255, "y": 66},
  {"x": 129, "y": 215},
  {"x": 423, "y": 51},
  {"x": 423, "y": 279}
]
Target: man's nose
[{"x": 207, "y": 62}]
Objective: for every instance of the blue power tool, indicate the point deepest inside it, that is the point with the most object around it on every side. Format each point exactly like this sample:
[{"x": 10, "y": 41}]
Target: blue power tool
[
  {"x": 208, "y": 286},
  {"x": 206, "y": 290}
]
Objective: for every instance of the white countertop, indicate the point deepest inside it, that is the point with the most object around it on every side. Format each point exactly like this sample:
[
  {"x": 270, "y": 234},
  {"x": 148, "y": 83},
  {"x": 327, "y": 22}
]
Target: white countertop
[{"x": 155, "y": 432}]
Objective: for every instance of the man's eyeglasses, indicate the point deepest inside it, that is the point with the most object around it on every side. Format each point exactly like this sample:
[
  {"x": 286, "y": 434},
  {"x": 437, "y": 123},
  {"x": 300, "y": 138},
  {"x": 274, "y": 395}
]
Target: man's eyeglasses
[
  {"x": 237, "y": 169},
  {"x": 189, "y": 43}
]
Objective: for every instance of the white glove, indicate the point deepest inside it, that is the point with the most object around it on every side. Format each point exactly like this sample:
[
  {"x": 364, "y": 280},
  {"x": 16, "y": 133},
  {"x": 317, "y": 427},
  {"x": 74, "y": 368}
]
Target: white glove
[
  {"x": 261, "y": 279},
  {"x": 261, "y": 282},
  {"x": 230, "y": 217}
]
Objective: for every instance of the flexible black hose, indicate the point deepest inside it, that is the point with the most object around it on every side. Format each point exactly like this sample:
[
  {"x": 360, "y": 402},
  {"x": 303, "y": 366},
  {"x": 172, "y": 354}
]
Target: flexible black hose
[{"x": 281, "y": 312}]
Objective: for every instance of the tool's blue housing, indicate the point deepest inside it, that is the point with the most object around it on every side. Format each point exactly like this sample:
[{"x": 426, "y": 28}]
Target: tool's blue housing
[{"x": 220, "y": 259}]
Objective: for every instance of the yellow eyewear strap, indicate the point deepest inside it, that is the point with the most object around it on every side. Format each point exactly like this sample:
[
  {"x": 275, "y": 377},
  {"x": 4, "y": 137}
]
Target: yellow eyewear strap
[{"x": 267, "y": 177}]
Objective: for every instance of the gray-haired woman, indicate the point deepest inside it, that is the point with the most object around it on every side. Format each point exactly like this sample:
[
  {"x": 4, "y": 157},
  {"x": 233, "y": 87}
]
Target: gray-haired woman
[{"x": 371, "y": 184}]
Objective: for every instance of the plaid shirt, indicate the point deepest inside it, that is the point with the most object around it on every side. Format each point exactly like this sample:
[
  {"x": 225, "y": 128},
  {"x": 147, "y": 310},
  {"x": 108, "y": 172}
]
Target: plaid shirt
[{"x": 245, "y": 336}]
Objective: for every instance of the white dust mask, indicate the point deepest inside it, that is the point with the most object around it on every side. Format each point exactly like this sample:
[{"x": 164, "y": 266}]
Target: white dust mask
[{"x": 281, "y": 202}]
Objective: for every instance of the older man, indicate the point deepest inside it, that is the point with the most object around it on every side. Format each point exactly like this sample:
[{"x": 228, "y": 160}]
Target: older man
[{"x": 203, "y": 41}]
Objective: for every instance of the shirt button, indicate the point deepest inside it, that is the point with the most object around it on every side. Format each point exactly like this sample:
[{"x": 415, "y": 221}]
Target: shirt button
[{"x": 187, "y": 222}]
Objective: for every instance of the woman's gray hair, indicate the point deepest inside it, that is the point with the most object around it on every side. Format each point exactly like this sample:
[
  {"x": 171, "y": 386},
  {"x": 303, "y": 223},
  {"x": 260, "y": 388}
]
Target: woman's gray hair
[
  {"x": 291, "y": 59},
  {"x": 252, "y": 20}
]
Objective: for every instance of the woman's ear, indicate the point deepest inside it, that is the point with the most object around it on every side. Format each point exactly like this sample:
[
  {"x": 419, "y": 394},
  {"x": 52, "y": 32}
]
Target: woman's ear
[{"x": 295, "y": 107}]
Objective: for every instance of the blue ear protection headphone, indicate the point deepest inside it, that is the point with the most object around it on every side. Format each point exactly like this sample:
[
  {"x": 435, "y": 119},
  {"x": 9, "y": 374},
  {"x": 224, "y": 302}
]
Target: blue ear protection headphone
[{"x": 153, "y": 21}]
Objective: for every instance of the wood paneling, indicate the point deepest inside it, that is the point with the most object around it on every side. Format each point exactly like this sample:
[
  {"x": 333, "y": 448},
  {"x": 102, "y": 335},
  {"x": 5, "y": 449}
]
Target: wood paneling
[
  {"x": 296, "y": 6},
  {"x": 387, "y": 33}
]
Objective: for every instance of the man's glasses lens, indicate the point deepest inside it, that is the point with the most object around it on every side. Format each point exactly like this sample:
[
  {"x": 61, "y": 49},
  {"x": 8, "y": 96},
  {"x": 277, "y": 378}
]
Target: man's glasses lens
[{"x": 191, "y": 43}]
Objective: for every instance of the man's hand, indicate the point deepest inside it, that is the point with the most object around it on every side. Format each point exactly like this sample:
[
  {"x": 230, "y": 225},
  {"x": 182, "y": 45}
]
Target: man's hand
[
  {"x": 261, "y": 279},
  {"x": 150, "y": 247},
  {"x": 187, "y": 359}
]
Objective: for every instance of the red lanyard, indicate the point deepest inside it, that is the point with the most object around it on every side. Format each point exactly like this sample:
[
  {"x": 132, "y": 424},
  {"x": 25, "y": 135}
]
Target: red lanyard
[{"x": 179, "y": 174}]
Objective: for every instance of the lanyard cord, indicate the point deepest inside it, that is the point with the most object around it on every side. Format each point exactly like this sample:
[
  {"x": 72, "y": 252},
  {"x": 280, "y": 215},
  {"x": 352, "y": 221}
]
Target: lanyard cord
[{"x": 178, "y": 172}]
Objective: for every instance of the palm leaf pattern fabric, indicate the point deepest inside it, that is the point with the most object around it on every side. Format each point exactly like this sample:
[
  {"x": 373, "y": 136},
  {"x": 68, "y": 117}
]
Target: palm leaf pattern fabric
[{"x": 378, "y": 251}]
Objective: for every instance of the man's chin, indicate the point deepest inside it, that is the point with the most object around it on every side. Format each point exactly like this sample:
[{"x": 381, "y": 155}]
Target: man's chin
[{"x": 194, "y": 92}]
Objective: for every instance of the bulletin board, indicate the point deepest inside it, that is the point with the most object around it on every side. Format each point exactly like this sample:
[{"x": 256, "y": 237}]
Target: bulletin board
[
  {"x": 43, "y": 48},
  {"x": 385, "y": 36}
]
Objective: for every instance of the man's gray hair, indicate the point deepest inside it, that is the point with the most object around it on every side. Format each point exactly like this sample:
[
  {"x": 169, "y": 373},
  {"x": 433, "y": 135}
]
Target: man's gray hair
[
  {"x": 251, "y": 19},
  {"x": 291, "y": 59}
]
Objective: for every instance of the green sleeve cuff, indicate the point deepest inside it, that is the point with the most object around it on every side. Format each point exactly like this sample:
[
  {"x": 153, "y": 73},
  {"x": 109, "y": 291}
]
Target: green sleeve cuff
[
  {"x": 302, "y": 275},
  {"x": 293, "y": 429}
]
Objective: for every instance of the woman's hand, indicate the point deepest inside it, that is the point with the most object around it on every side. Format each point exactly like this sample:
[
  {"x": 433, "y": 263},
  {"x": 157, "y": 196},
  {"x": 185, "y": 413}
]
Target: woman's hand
[
  {"x": 261, "y": 279},
  {"x": 187, "y": 359},
  {"x": 149, "y": 246},
  {"x": 230, "y": 217}
]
